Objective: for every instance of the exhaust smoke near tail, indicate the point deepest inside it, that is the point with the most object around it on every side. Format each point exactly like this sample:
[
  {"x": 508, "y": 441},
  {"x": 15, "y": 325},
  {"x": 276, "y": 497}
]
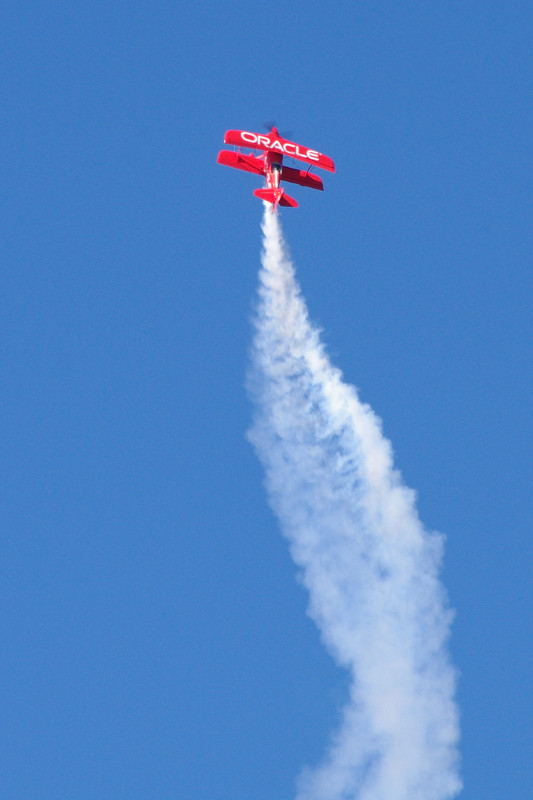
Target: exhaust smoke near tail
[{"x": 369, "y": 566}]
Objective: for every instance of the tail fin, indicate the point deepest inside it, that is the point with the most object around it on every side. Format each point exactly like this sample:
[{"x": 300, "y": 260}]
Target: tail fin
[{"x": 276, "y": 197}]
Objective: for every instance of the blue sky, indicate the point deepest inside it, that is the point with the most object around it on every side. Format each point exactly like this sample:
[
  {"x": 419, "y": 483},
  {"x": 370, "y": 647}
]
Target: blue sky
[{"x": 155, "y": 641}]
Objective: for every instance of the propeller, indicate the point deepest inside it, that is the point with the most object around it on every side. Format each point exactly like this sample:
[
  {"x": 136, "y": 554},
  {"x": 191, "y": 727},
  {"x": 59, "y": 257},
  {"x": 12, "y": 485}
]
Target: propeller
[{"x": 269, "y": 125}]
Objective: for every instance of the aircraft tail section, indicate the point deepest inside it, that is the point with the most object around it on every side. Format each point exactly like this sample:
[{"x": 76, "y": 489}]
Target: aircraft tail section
[{"x": 277, "y": 197}]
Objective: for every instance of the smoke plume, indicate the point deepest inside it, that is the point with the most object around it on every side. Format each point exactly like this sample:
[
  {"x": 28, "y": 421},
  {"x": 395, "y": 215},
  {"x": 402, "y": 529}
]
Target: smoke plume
[{"x": 369, "y": 566}]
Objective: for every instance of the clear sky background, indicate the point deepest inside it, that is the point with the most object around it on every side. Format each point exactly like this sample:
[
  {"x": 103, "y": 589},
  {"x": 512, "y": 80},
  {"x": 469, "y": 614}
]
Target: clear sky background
[{"x": 154, "y": 640}]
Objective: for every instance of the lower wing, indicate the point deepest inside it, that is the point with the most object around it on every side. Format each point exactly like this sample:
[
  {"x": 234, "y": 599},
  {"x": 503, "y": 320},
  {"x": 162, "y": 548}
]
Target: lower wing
[
  {"x": 238, "y": 160},
  {"x": 302, "y": 178}
]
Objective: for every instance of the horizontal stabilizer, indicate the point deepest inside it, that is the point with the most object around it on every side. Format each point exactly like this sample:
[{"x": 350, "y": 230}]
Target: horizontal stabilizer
[
  {"x": 290, "y": 202},
  {"x": 276, "y": 197}
]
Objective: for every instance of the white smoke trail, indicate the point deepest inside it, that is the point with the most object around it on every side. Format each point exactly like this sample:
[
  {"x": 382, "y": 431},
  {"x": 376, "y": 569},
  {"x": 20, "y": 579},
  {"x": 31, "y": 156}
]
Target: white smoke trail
[{"x": 370, "y": 568}]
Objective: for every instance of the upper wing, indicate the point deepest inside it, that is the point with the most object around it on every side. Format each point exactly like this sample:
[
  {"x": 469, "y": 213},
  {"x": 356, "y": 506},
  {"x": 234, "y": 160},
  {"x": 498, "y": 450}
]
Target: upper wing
[
  {"x": 249, "y": 163},
  {"x": 276, "y": 144}
]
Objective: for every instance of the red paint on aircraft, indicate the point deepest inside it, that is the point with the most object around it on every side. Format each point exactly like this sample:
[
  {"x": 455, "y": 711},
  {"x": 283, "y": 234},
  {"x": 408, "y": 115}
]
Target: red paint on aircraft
[{"x": 270, "y": 163}]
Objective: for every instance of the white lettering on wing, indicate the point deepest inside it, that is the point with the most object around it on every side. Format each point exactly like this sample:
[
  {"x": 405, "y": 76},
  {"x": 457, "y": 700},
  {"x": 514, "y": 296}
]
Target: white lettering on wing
[
  {"x": 251, "y": 138},
  {"x": 283, "y": 147}
]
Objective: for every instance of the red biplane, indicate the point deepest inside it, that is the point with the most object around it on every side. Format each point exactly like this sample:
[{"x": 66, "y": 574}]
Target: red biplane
[{"x": 270, "y": 163}]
